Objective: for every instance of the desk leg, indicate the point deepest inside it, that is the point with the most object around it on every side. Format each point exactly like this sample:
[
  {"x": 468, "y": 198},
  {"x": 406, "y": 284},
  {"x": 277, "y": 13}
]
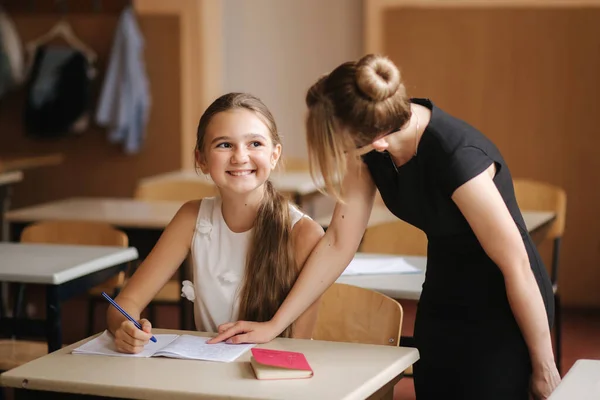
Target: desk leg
[
  {"x": 5, "y": 192},
  {"x": 53, "y": 315},
  {"x": 408, "y": 341}
]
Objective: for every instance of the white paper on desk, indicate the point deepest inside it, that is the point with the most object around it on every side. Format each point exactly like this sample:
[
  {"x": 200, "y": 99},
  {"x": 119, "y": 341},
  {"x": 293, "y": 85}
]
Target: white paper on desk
[
  {"x": 195, "y": 348},
  {"x": 380, "y": 265},
  {"x": 172, "y": 346}
]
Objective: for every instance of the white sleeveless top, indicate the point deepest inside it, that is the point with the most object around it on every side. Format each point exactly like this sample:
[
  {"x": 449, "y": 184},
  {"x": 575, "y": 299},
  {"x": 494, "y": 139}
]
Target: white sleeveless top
[{"x": 218, "y": 262}]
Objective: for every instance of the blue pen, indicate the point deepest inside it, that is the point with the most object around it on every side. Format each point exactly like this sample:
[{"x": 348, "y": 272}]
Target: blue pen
[{"x": 114, "y": 303}]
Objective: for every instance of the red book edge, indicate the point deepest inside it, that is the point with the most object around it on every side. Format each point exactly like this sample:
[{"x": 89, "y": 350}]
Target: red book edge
[{"x": 281, "y": 359}]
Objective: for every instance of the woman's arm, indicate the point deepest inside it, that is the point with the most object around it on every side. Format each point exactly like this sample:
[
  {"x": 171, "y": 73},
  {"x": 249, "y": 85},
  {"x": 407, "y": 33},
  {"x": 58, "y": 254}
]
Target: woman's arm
[
  {"x": 487, "y": 214},
  {"x": 325, "y": 264},
  {"x": 305, "y": 236},
  {"x": 154, "y": 272}
]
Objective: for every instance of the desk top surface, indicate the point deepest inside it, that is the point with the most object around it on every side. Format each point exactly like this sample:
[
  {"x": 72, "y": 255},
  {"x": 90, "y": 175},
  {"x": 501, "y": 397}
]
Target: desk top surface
[
  {"x": 369, "y": 366},
  {"x": 123, "y": 212},
  {"x": 582, "y": 382},
  {"x": 56, "y": 264}
]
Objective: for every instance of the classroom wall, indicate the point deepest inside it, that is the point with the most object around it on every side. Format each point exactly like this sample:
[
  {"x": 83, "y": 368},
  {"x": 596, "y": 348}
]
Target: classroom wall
[
  {"x": 276, "y": 49},
  {"x": 527, "y": 76}
]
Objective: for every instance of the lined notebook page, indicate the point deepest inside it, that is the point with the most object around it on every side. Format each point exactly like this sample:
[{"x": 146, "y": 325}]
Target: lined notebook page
[
  {"x": 195, "y": 348},
  {"x": 104, "y": 345}
]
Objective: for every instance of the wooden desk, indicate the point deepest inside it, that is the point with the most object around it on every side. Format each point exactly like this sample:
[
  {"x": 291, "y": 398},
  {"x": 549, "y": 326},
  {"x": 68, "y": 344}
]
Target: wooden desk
[
  {"x": 297, "y": 183},
  {"x": 582, "y": 382},
  {"x": 65, "y": 270},
  {"x": 341, "y": 371}
]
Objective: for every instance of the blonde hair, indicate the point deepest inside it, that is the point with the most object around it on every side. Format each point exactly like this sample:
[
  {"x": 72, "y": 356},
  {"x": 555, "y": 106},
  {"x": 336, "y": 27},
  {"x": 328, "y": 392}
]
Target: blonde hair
[
  {"x": 348, "y": 108},
  {"x": 271, "y": 268}
]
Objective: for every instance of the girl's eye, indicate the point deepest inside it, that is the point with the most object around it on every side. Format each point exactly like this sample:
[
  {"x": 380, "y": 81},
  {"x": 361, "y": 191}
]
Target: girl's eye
[
  {"x": 224, "y": 145},
  {"x": 256, "y": 144}
]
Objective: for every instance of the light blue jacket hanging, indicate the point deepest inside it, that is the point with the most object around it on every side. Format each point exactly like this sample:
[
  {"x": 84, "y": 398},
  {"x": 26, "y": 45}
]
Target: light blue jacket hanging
[{"x": 125, "y": 96}]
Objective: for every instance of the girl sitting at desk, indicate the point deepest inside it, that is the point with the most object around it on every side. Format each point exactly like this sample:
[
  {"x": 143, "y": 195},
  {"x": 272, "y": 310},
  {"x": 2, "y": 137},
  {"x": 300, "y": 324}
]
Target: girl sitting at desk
[{"x": 248, "y": 245}]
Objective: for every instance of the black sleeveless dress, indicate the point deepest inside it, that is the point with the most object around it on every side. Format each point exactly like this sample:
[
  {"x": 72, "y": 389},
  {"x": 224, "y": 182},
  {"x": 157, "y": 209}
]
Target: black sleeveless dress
[{"x": 469, "y": 342}]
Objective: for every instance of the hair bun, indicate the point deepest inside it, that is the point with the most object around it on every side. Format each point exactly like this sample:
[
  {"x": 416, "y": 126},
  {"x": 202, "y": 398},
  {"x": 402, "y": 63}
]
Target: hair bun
[{"x": 377, "y": 77}]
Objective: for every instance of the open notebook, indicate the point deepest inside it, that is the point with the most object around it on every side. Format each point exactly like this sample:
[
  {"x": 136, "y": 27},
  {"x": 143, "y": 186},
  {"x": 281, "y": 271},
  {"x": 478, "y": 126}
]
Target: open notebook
[{"x": 172, "y": 346}]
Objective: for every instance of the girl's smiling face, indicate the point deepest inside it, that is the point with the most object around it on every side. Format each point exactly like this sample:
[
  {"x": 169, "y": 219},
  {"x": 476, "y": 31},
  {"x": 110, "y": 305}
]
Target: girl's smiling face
[{"x": 239, "y": 153}]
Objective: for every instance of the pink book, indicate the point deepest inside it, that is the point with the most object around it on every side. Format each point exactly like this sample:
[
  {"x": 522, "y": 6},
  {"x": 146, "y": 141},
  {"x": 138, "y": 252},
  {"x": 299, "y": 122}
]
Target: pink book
[{"x": 279, "y": 364}]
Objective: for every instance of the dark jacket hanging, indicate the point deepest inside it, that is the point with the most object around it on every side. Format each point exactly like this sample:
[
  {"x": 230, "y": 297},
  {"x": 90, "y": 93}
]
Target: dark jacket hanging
[{"x": 58, "y": 92}]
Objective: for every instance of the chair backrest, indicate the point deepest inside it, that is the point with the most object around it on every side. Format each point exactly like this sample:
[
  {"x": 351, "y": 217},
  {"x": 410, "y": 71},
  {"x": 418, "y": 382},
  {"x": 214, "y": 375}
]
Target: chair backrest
[
  {"x": 352, "y": 314},
  {"x": 540, "y": 196},
  {"x": 175, "y": 190},
  {"x": 74, "y": 232},
  {"x": 397, "y": 237}
]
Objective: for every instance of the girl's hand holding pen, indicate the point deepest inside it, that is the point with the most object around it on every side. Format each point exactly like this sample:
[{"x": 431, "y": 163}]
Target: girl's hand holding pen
[{"x": 130, "y": 339}]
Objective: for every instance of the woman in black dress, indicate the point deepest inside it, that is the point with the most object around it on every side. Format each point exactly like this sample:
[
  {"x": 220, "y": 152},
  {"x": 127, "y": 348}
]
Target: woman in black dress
[{"x": 484, "y": 317}]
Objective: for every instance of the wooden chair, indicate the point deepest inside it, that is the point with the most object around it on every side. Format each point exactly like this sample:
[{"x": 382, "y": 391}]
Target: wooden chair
[
  {"x": 397, "y": 237},
  {"x": 175, "y": 190},
  {"x": 16, "y": 352},
  {"x": 400, "y": 238},
  {"x": 540, "y": 196},
  {"x": 352, "y": 314}
]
